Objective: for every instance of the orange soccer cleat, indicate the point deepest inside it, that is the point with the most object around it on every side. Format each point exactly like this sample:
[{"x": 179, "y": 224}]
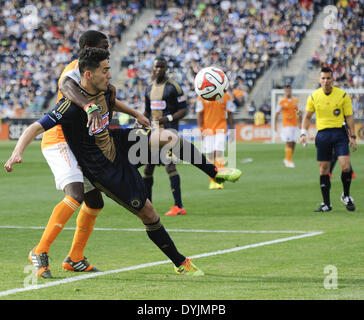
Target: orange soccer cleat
[{"x": 176, "y": 211}]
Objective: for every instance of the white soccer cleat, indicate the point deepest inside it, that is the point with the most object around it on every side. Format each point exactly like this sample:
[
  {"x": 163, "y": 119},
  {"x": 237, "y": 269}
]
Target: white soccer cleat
[{"x": 288, "y": 164}]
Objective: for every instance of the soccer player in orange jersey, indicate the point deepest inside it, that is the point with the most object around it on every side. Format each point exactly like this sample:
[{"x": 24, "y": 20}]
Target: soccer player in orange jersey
[
  {"x": 68, "y": 175},
  {"x": 291, "y": 116},
  {"x": 213, "y": 118}
]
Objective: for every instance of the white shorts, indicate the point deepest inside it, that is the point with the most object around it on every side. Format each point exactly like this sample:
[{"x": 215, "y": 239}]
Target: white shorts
[
  {"x": 64, "y": 166},
  {"x": 214, "y": 143},
  {"x": 289, "y": 134}
]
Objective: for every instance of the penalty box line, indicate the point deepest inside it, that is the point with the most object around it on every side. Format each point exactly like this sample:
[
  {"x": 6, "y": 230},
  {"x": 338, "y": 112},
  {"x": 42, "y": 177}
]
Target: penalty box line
[{"x": 152, "y": 264}]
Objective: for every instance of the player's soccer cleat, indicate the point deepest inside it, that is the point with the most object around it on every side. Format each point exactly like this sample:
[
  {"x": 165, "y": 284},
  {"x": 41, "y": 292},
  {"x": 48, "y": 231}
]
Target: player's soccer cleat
[
  {"x": 176, "y": 211},
  {"x": 189, "y": 269},
  {"x": 353, "y": 175},
  {"x": 348, "y": 201},
  {"x": 324, "y": 208},
  {"x": 288, "y": 164},
  {"x": 227, "y": 174},
  {"x": 41, "y": 264},
  {"x": 79, "y": 266},
  {"x": 214, "y": 185}
]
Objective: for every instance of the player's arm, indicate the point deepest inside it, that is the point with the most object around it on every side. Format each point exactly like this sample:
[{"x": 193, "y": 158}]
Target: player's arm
[
  {"x": 71, "y": 91},
  {"x": 230, "y": 119},
  {"x": 305, "y": 126},
  {"x": 147, "y": 109},
  {"x": 178, "y": 115},
  {"x": 178, "y": 99},
  {"x": 199, "y": 112},
  {"x": 299, "y": 116},
  {"x": 351, "y": 128},
  {"x": 25, "y": 139},
  {"x": 276, "y": 117},
  {"x": 200, "y": 120},
  {"x": 349, "y": 119},
  {"x": 140, "y": 118}
]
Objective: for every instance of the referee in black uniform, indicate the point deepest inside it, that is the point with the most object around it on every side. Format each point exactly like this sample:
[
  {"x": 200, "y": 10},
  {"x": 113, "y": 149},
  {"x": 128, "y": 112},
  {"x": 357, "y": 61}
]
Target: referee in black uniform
[{"x": 333, "y": 107}]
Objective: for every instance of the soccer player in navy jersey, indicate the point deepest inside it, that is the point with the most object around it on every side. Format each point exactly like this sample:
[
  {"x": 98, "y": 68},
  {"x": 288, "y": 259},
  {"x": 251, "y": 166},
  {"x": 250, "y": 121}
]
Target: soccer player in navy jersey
[{"x": 105, "y": 155}]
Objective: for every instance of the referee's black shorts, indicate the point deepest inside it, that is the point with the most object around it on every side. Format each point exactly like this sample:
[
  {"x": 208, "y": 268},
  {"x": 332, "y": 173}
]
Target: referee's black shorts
[{"x": 331, "y": 140}]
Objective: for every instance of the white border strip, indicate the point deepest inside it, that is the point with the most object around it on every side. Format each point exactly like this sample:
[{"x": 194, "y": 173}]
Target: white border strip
[
  {"x": 146, "y": 265},
  {"x": 171, "y": 230}
]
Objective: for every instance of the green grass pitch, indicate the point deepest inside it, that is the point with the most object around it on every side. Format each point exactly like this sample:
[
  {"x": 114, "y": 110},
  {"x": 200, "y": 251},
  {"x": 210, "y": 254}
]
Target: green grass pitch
[{"x": 268, "y": 197}]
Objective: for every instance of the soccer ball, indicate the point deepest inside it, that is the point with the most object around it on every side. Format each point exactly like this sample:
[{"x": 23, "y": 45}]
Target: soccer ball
[{"x": 211, "y": 83}]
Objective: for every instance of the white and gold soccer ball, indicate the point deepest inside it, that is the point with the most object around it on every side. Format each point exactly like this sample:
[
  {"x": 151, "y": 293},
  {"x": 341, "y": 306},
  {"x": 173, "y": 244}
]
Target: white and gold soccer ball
[{"x": 211, "y": 83}]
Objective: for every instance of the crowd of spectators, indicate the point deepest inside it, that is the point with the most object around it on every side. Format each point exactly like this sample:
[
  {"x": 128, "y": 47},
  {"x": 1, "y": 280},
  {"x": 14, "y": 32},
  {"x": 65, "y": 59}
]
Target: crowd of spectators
[
  {"x": 241, "y": 37},
  {"x": 39, "y": 38},
  {"x": 341, "y": 48}
]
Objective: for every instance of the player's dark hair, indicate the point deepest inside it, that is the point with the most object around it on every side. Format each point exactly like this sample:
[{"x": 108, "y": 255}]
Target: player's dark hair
[
  {"x": 326, "y": 70},
  {"x": 91, "y": 38},
  {"x": 160, "y": 58},
  {"x": 90, "y": 58}
]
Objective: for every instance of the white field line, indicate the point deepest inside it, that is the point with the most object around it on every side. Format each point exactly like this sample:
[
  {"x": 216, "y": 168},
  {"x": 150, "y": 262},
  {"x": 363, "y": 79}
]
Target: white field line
[
  {"x": 151, "y": 264},
  {"x": 171, "y": 230}
]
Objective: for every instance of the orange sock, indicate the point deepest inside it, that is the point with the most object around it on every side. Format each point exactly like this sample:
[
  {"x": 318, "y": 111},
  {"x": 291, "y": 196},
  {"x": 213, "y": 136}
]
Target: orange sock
[
  {"x": 220, "y": 162},
  {"x": 289, "y": 153},
  {"x": 60, "y": 215},
  {"x": 85, "y": 225}
]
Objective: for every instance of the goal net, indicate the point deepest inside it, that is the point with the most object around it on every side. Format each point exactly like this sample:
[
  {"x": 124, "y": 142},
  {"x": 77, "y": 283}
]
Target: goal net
[{"x": 357, "y": 98}]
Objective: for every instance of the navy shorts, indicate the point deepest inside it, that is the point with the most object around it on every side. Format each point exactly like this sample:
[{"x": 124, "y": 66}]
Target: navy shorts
[
  {"x": 329, "y": 141},
  {"x": 121, "y": 180}
]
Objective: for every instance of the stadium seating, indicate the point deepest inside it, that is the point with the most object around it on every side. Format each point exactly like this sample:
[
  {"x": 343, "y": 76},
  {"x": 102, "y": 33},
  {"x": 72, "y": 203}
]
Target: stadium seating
[
  {"x": 37, "y": 41},
  {"x": 242, "y": 38}
]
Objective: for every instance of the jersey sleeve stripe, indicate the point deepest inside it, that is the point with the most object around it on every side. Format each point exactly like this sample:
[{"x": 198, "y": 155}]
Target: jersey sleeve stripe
[
  {"x": 64, "y": 106},
  {"x": 176, "y": 85}
]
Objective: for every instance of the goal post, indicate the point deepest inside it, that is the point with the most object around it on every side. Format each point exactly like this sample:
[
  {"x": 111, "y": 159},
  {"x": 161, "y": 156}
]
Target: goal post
[{"x": 356, "y": 95}]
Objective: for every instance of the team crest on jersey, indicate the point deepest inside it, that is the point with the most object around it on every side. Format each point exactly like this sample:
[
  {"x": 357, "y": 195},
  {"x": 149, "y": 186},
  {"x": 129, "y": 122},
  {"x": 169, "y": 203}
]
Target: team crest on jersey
[
  {"x": 336, "y": 112},
  {"x": 135, "y": 203},
  {"x": 105, "y": 123}
]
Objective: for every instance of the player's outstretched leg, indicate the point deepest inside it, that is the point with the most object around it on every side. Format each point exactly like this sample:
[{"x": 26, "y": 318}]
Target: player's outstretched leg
[
  {"x": 160, "y": 237},
  {"x": 187, "y": 151}
]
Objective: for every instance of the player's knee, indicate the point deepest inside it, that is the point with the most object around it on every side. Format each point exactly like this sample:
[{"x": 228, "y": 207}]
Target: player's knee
[
  {"x": 148, "y": 214},
  {"x": 170, "y": 137},
  {"x": 75, "y": 191},
  {"x": 345, "y": 168},
  {"x": 93, "y": 199},
  {"x": 171, "y": 169},
  {"x": 148, "y": 171}
]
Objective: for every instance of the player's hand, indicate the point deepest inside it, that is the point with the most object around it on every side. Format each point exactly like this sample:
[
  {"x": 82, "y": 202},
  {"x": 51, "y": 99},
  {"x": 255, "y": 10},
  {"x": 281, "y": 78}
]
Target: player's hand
[
  {"x": 353, "y": 144},
  {"x": 15, "y": 158},
  {"x": 143, "y": 120},
  {"x": 303, "y": 140},
  {"x": 162, "y": 120},
  {"x": 94, "y": 120}
]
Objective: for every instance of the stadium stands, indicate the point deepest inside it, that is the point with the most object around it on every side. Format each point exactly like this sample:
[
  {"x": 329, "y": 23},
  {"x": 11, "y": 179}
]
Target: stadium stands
[
  {"x": 241, "y": 37},
  {"x": 38, "y": 40},
  {"x": 340, "y": 46},
  {"x": 341, "y": 50}
]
